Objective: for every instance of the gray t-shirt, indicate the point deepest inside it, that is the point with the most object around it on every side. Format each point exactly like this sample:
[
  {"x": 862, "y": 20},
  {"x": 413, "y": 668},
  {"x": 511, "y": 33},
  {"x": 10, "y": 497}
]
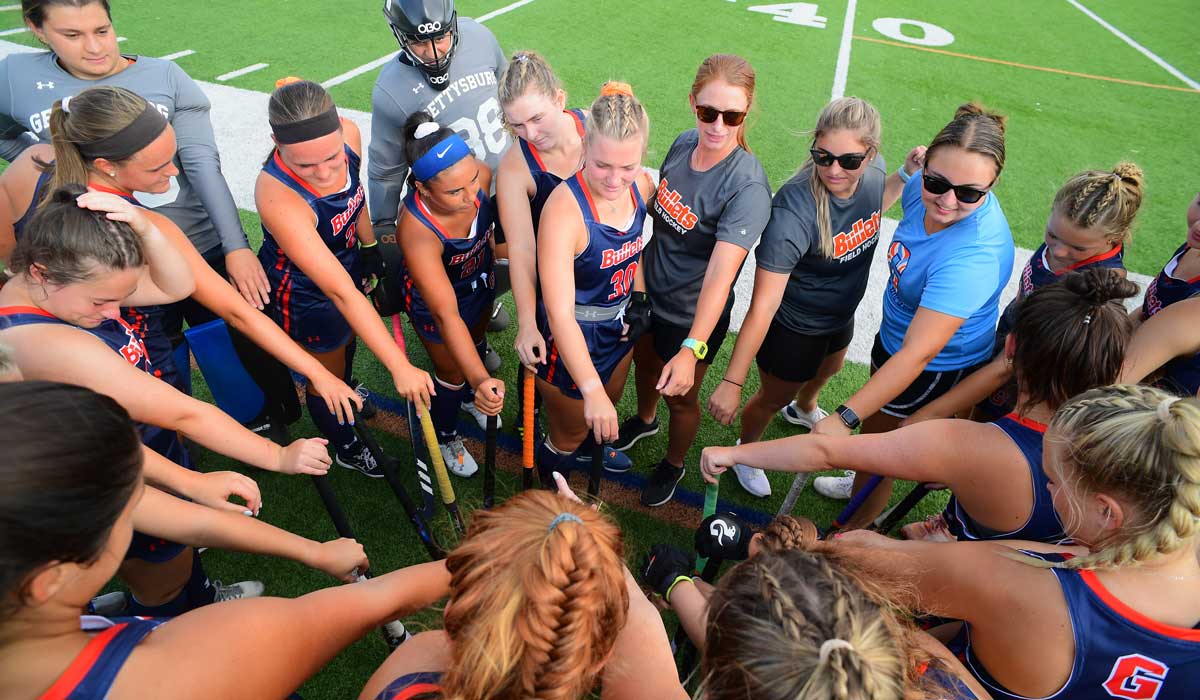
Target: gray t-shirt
[
  {"x": 199, "y": 201},
  {"x": 468, "y": 105},
  {"x": 822, "y": 293},
  {"x": 730, "y": 202}
]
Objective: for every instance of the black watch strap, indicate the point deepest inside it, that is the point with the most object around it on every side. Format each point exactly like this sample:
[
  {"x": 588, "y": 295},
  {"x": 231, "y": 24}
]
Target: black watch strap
[{"x": 848, "y": 416}]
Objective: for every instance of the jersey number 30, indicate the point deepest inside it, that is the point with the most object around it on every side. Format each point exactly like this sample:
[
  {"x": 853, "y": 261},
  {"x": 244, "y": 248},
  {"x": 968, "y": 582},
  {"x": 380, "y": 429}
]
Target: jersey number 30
[{"x": 622, "y": 282}]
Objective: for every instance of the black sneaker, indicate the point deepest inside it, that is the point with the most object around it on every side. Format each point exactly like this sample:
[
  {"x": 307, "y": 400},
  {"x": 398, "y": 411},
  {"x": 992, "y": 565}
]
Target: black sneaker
[
  {"x": 361, "y": 461},
  {"x": 632, "y": 430},
  {"x": 368, "y": 409},
  {"x": 272, "y": 430},
  {"x": 499, "y": 320},
  {"x": 661, "y": 486}
]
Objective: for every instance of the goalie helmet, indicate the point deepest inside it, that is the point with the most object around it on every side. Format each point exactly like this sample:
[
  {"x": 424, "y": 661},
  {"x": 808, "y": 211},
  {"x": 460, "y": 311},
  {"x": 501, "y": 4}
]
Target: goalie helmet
[{"x": 415, "y": 22}]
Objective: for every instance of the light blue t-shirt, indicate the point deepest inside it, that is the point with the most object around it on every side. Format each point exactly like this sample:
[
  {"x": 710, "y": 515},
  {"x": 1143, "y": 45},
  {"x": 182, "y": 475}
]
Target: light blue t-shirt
[{"x": 959, "y": 271}]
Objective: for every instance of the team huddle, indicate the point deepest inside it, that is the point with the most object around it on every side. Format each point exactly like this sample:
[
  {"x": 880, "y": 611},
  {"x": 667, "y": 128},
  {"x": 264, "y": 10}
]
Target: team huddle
[{"x": 1065, "y": 428}]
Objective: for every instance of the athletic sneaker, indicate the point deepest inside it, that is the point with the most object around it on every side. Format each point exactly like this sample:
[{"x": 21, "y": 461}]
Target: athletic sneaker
[
  {"x": 479, "y": 416},
  {"x": 660, "y": 488},
  {"x": 491, "y": 360},
  {"x": 753, "y": 479},
  {"x": 362, "y": 461},
  {"x": 806, "y": 419},
  {"x": 499, "y": 318},
  {"x": 614, "y": 460},
  {"x": 368, "y": 408},
  {"x": 237, "y": 591},
  {"x": 931, "y": 529},
  {"x": 113, "y": 604},
  {"x": 836, "y": 487},
  {"x": 632, "y": 430},
  {"x": 458, "y": 460},
  {"x": 271, "y": 430}
]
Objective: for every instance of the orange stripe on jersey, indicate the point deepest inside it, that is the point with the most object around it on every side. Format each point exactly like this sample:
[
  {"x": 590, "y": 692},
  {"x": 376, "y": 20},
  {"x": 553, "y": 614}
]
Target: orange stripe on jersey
[
  {"x": 578, "y": 122},
  {"x": 82, "y": 664},
  {"x": 294, "y": 176},
  {"x": 587, "y": 195},
  {"x": 536, "y": 156},
  {"x": 416, "y": 690},
  {"x": 429, "y": 215},
  {"x": 109, "y": 190},
  {"x": 10, "y": 310},
  {"x": 1028, "y": 423},
  {"x": 551, "y": 362},
  {"x": 1113, "y": 252},
  {"x": 1137, "y": 618}
]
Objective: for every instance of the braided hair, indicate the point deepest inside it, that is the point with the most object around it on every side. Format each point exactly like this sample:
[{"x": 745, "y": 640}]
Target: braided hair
[
  {"x": 618, "y": 115},
  {"x": 1104, "y": 200}
]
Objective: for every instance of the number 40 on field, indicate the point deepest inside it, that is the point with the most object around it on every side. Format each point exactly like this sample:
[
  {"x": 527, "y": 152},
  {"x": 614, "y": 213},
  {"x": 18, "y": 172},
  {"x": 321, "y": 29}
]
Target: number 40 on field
[{"x": 805, "y": 14}]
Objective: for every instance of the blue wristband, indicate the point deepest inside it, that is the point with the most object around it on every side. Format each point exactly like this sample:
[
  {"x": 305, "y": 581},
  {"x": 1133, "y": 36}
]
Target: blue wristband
[{"x": 904, "y": 177}]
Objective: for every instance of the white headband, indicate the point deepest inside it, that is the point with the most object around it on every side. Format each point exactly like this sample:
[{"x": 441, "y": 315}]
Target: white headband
[
  {"x": 829, "y": 645},
  {"x": 1164, "y": 408},
  {"x": 425, "y": 129}
]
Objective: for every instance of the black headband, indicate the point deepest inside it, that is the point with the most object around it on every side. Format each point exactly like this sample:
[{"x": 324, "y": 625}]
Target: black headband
[
  {"x": 307, "y": 129},
  {"x": 134, "y": 137}
]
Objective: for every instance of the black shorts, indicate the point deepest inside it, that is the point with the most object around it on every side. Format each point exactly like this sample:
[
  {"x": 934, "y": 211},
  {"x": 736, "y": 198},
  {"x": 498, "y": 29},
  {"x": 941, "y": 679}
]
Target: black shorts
[
  {"x": 668, "y": 339},
  {"x": 928, "y": 386},
  {"x": 796, "y": 357}
]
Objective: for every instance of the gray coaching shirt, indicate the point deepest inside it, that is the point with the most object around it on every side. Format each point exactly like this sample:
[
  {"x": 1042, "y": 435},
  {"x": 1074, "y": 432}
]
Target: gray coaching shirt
[
  {"x": 468, "y": 105},
  {"x": 822, "y": 293},
  {"x": 692, "y": 210},
  {"x": 199, "y": 201}
]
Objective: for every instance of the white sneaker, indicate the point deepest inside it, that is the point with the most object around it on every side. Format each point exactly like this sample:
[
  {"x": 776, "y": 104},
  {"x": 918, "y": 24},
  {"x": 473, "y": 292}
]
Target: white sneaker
[
  {"x": 458, "y": 460},
  {"x": 753, "y": 479},
  {"x": 237, "y": 591},
  {"x": 806, "y": 419},
  {"x": 480, "y": 417},
  {"x": 837, "y": 487}
]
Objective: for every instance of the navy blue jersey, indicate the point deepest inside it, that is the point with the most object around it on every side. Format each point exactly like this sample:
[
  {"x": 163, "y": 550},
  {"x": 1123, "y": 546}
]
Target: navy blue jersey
[
  {"x": 412, "y": 685},
  {"x": 1037, "y": 274},
  {"x": 337, "y": 225},
  {"x": 468, "y": 261},
  {"x": 1119, "y": 652},
  {"x": 20, "y": 224},
  {"x": 544, "y": 181},
  {"x": 91, "y": 674},
  {"x": 1043, "y": 524},
  {"x": 605, "y": 270},
  {"x": 1166, "y": 289}
]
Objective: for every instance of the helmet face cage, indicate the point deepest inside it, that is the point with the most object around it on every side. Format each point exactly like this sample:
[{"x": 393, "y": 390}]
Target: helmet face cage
[{"x": 438, "y": 66}]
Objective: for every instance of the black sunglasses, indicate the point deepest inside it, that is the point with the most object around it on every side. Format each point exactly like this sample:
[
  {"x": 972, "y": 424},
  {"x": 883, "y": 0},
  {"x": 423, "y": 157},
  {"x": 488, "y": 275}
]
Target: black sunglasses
[
  {"x": 936, "y": 184},
  {"x": 848, "y": 161},
  {"x": 708, "y": 115}
]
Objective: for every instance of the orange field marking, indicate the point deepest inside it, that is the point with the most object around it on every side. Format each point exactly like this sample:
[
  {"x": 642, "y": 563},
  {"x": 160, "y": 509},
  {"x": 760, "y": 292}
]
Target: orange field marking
[{"x": 1026, "y": 65}]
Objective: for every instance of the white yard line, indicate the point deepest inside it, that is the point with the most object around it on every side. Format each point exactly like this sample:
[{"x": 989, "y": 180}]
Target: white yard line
[
  {"x": 1141, "y": 49},
  {"x": 177, "y": 54},
  {"x": 843, "y": 60},
  {"x": 10, "y": 32},
  {"x": 242, "y": 71},
  {"x": 6, "y": 8},
  {"x": 372, "y": 65}
]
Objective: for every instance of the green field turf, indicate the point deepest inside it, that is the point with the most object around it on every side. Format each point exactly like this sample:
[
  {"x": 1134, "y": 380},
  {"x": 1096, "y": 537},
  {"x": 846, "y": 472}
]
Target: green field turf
[{"x": 1059, "y": 124}]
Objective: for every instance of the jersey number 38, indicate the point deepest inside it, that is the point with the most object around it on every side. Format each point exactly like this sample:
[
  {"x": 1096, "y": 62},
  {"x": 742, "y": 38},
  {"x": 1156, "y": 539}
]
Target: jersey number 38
[{"x": 485, "y": 133}]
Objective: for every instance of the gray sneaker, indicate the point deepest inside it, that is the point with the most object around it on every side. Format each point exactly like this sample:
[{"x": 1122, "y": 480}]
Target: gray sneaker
[{"x": 237, "y": 591}]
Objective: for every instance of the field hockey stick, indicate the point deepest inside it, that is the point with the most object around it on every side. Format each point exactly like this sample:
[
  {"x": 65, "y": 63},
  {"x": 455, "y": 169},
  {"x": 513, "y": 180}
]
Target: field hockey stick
[
  {"x": 711, "y": 492},
  {"x": 393, "y": 632},
  {"x": 597, "y": 469},
  {"x": 890, "y": 518},
  {"x": 419, "y": 448},
  {"x": 489, "y": 464},
  {"x": 855, "y": 503},
  {"x": 527, "y": 399},
  {"x": 708, "y": 572},
  {"x": 388, "y": 467},
  {"x": 793, "y": 494},
  {"x": 439, "y": 469}
]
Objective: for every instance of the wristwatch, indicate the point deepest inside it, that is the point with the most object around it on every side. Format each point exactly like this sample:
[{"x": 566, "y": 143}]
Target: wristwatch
[
  {"x": 848, "y": 416},
  {"x": 699, "y": 348}
]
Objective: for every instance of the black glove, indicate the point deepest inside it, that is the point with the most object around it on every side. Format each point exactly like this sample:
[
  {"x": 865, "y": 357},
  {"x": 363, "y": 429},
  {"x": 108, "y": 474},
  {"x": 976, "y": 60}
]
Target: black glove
[
  {"x": 637, "y": 315},
  {"x": 663, "y": 566},
  {"x": 373, "y": 267},
  {"x": 723, "y": 536}
]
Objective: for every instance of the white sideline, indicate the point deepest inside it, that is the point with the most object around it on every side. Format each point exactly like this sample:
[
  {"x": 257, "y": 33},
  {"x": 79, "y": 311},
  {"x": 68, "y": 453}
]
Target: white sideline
[
  {"x": 239, "y": 119},
  {"x": 372, "y": 65},
  {"x": 842, "y": 71},
  {"x": 241, "y": 71},
  {"x": 1141, "y": 49},
  {"x": 177, "y": 54}
]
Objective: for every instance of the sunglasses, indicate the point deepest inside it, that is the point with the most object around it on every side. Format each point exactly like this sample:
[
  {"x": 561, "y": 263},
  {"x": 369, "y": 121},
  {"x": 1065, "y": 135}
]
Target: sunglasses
[
  {"x": 936, "y": 184},
  {"x": 848, "y": 161},
  {"x": 708, "y": 115}
]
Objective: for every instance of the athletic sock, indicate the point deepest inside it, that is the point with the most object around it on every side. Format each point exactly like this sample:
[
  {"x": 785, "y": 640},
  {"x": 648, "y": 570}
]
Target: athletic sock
[
  {"x": 445, "y": 405},
  {"x": 549, "y": 460},
  {"x": 340, "y": 436}
]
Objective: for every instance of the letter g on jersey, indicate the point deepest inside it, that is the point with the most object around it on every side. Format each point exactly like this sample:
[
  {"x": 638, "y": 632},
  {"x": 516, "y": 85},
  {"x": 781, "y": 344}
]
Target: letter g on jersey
[{"x": 1136, "y": 677}]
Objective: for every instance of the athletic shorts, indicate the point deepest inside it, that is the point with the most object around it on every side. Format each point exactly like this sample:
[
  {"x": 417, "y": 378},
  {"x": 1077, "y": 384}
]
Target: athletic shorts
[
  {"x": 796, "y": 357},
  {"x": 603, "y": 339},
  {"x": 473, "y": 305},
  {"x": 668, "y": 338},
  {"x": 310, "y": 318},
  {"x": 927, "y": 387}
]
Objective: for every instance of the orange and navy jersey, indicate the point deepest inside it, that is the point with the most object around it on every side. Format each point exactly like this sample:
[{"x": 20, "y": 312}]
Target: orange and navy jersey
[
  {"x": 337, "y": 225},
  {"x": 468, "y": 261},
  {"x": 413, "y": 686},
  {"x": 1037, "y": 274},
  {"x": 1166, "y": 289},
  {"x": 1119, "y": 652},
  {"x": 91, "y": 674},
  {"x": 605, "y": 270},
  {"x": 124, "y": 338},
  {"x": 544, "y": 181},
  {"x": 1043, "y": 524}
]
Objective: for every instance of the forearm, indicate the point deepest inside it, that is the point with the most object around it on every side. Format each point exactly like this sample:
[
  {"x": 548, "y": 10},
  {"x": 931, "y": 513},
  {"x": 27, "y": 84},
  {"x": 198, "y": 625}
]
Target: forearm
[
  {"x": 691, "y": 606},
  {"x": 522, "y": 272},
  {"x": 887, "y": 383},
  {"x": 269, "y": 336},
  {"x": 640, "y": 665},
  {"x": 366, "y": 323},
  {"x": 750, "y": 339},
  {"x": 161, "y": 472},
  {"x": 167, "y": 265},
  {"x": 714, "y": 293},
  {"x": 893, "y": 187},
  {"x": 461, "y": 345},
  {"x": 797, "y": 453},
  {"x": 970, "y": 391},
  {"x": 211, "y": 427}
]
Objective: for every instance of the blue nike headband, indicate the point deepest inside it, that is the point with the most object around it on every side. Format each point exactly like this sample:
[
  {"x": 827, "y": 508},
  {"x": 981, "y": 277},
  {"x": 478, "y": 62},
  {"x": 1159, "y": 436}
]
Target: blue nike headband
[{"x": 447, "y": 152}]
